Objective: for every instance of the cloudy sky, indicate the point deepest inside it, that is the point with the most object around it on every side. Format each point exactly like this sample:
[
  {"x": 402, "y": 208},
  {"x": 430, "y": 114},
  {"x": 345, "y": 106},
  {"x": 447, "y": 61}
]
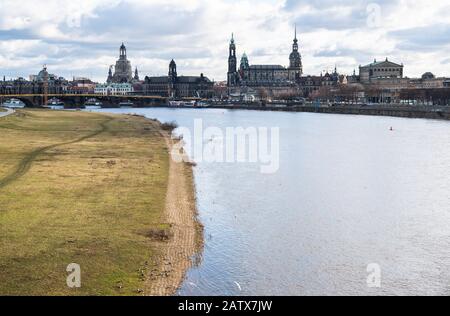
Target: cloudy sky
[{"x": 82, "y": 38}]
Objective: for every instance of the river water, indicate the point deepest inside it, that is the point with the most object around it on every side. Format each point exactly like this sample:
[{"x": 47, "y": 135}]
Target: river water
[{"x": 350, "y": 194}]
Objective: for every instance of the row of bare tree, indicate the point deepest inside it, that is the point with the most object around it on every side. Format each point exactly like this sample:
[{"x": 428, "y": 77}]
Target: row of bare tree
[{"x": 356, "y": 92}]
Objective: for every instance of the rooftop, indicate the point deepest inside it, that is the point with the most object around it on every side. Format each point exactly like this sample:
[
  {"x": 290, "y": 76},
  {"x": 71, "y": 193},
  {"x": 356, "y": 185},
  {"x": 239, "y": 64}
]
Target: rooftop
[
  {"x": 271, "y": 67},
  {"x": 386, "y": 63}
]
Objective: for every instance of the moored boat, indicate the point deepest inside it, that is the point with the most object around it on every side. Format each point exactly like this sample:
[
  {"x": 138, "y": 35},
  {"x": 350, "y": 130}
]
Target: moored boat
[
  {"x": 93, "y": 104},
  {"x": 55, "y": 104},
  {"x": 13, "y": 103},
  {"x": 126, "y": 104},
  {"x": 182, "y": 103}
]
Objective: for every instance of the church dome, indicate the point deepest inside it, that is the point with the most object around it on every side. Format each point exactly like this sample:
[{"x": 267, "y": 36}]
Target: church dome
[
  {"x": 123, "y": 73},
  {"x": 42, "y": 74},
  {"x": 428, "y": 75}
]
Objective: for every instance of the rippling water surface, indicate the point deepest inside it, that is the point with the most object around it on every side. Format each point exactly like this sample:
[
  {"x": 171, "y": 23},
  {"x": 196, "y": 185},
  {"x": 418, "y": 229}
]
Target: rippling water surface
[{"x": 349, "y": 193}]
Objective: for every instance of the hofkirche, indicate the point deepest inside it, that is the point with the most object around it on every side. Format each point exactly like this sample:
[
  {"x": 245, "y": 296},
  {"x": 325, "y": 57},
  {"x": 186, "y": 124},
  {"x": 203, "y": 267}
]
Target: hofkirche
[{"x": 263, "y": 75}]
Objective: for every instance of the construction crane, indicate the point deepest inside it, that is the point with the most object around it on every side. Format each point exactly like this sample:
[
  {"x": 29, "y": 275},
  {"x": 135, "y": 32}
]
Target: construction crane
[{"x": 45, "y": 86}]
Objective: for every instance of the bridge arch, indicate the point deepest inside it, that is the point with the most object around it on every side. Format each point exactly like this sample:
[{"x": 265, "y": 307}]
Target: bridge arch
[
  {"x": 30, "y": 101},
  {"x": 74, "y": 100}
]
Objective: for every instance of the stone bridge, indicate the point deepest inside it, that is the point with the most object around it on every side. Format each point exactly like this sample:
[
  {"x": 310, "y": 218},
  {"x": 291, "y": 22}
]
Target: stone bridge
[{"x": 78, "y": 100}]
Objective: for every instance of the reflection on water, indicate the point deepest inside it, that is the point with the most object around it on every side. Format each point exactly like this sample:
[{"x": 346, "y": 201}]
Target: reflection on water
[{"x": 349, "y": 193}]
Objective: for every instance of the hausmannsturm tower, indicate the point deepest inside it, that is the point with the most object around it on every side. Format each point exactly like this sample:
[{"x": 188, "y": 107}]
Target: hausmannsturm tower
[{"x": 295, "y": 61}]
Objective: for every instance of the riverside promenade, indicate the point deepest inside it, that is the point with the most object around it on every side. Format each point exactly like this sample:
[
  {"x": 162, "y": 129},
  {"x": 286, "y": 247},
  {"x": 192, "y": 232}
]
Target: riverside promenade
[{"x": 428, "y": 112}]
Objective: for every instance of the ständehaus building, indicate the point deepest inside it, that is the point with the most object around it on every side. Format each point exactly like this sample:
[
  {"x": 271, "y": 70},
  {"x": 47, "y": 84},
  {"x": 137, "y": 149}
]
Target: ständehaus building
[
  {"x": 174, "y": 86},
  {"x": 264, "y": 76}
]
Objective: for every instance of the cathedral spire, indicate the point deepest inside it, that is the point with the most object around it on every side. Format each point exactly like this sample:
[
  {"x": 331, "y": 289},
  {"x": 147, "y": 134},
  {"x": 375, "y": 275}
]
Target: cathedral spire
[
  {"x": 232, "y": 63},
  {"x": 110, "y": 75},
  {"x": 295, "y": 45},
  {"x": 295, "y": 59}
]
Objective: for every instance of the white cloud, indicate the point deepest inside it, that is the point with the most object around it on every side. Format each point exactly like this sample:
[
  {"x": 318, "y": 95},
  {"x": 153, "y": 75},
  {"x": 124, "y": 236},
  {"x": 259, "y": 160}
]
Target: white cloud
[{"x": 82, "y": 37}]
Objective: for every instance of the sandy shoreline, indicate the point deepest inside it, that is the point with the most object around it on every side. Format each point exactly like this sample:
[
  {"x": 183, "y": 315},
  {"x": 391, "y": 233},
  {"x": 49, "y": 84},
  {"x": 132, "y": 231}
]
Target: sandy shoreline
[
  {"x": 186, "y": 242},
  {"x": 90, "y": 189}
]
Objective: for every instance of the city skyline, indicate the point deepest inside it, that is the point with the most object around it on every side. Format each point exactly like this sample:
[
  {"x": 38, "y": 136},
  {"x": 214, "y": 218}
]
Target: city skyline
[{"x": 82, "y": 39}]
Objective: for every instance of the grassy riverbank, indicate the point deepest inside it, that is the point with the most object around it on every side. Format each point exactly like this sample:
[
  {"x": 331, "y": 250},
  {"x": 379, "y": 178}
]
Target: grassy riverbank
[{"x": 80, "y": 188}]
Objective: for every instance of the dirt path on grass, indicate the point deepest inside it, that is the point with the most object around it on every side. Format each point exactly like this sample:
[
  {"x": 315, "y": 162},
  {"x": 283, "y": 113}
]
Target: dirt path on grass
[
  {"x": 179, "y": 252},
  {"x": 25, "y": 164},
  {"x": 8, "y": 112}
]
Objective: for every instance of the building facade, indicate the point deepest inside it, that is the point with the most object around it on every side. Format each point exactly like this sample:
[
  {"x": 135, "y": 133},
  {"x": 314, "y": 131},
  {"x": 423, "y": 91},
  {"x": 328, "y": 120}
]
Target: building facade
[
  {"x": 80, "y": 85},
  {"x": 309, "y": 85},
  {"x": 114, "y": 89},
  {"x": 380, "y": 70},
  {"x": 268, "y": 76},
  {"x": 174, "y": 86},
  {"x": 384, "y": 82},
  {"x": 429, "y": 81},
  {"x": 36, "y": 84}
]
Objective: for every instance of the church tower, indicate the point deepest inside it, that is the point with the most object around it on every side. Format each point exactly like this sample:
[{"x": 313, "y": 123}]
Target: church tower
[
  {"x": 110, "y": 75},
  {"x": 295, "y": 60},
  {"x": 172, "y": 79},
  {"x": 243, "y": 69},
  {"x": 232, "y": 64},
  {"x": 123, "y": 52},
  {"x": 244, "y": 62},
  {"x": 136, "y": 74}
]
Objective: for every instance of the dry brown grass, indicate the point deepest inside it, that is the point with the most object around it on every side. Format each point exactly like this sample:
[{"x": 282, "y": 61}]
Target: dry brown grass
[{"x": 80, "y": 188}]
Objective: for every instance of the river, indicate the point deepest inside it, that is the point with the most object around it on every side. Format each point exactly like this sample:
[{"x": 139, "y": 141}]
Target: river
[{"x": 350, "y": 194}]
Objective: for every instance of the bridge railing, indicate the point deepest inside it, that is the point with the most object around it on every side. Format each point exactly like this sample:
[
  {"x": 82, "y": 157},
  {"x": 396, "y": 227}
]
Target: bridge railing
[{"x": 83, "y": 96}]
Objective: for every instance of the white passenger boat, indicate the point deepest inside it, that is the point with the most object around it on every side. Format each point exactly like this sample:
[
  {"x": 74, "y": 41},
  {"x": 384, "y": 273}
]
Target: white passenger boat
[
  {"x": 182, "y": 103},
  {"x": 13, "y": 104},
  {"x": 93, "y": 104},
  {"x": 55, "y": 104}
]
